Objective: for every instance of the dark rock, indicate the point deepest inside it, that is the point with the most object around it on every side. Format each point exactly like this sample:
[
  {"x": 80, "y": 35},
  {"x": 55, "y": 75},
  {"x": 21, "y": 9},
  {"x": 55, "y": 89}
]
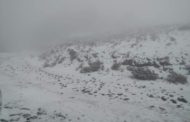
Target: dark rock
[
  {"x": 171, "y": 95},
  {"x": 3, "y": 120},
  {"x": 181, "y": 99},
  {"x": 41, "y": 112},
  {"x": 173, "y": 101},
  {"x": 163, "y": 98},
  {"x": 151, "y": 96},
  {"x": 126, "y": 99},
  {"x": 179, "y": 106},
  {"x": 26, "y": 115}
]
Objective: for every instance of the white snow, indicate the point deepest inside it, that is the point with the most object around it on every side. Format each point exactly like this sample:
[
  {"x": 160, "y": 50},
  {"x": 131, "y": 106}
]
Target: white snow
[{"x": 61, "y": 93}]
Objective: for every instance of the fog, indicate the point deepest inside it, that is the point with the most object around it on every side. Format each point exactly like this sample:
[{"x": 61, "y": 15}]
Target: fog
[{"x": 25, "y": 23}]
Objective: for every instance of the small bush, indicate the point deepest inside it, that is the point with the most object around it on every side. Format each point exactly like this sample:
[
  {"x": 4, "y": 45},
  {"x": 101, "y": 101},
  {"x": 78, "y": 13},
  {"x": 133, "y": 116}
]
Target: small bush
[
  {"x": 93, "y": 67},
  {"x": 187, "y": 67},
  {"x": 165, "y": 61},
  {"x": 116, "y": 66},
  {"x": 86, "y": 70},
  {"x": 131, "y": 68},
  {"x": 47, "y": 64},
  {"x": 57, "y": 60},
  {"x": 147, "y": 62},
  {"x": 128, "y": 62},
  {"x": 176, "y": 78},
  {"x": 60, "y": 60},
  {"x": 143, "y": 73},
  {"x": 73, "y": 54},
  {"x": 96, "y": 65}
]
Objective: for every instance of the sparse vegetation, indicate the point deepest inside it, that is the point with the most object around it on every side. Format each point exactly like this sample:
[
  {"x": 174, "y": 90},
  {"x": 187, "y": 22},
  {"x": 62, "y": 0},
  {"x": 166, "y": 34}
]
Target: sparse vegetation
[
  {"x": 131, "y": 68},
  {"x": 47, "y": 64},
  {"x": 187, "y": 67},
  {"x": 146, "y": 62},
  {"x": 93, "y": 67},
  {"x": 143, "y": 73},
  {"x": 165, "y": 61},
  {"x": 116, "y": 66},
  {"x": 57, "y": 60},
  {"x": 176, "y": 78},
  {"x": 128, "y": 62},
  {"x": 73, "y": 54}
]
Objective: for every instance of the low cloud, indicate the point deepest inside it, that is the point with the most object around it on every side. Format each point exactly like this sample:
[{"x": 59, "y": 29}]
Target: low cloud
[{"x": 27, "y": 22}]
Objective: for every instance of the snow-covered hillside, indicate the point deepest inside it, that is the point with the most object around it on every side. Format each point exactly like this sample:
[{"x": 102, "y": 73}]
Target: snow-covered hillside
[
  {"x": 164, "y": 49},
  {"x": 143, "y": 77}
]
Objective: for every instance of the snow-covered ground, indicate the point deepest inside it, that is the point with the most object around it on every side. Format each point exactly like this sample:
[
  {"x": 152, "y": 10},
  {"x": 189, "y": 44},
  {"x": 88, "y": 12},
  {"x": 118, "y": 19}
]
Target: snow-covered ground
[{"x": 52, "y": 88}]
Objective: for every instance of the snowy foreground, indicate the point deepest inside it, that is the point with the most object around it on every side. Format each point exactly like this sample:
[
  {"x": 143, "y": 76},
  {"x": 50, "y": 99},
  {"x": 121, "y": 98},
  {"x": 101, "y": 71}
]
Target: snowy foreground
[{"x": 59, "y": 86}]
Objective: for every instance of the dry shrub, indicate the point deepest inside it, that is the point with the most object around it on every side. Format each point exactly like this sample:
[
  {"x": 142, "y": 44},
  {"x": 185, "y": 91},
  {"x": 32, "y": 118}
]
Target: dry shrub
[
  {"x": 116, "y": 66},
  {"x": 146, "y": 62},
  {"x": 73, "y": 54},
  {"x": 176, "y": 78},
  {"x": 93, "y": 67},
  {"x": 143, "y": 73}
]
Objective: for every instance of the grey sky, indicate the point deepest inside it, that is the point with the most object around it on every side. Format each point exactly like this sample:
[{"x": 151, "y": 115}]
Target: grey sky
[{"x": 44, "y": 21}]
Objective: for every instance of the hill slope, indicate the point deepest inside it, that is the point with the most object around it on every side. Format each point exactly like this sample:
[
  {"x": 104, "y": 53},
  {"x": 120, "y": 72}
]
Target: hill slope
[{"x": 143, "y": 77}]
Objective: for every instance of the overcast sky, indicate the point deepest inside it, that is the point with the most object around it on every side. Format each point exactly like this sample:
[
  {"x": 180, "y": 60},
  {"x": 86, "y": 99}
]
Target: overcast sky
[{"x": 26, "y": 21}]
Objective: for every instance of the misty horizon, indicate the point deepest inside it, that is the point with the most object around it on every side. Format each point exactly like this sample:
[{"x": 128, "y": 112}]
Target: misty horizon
[{"x": 26, "y": 23}]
